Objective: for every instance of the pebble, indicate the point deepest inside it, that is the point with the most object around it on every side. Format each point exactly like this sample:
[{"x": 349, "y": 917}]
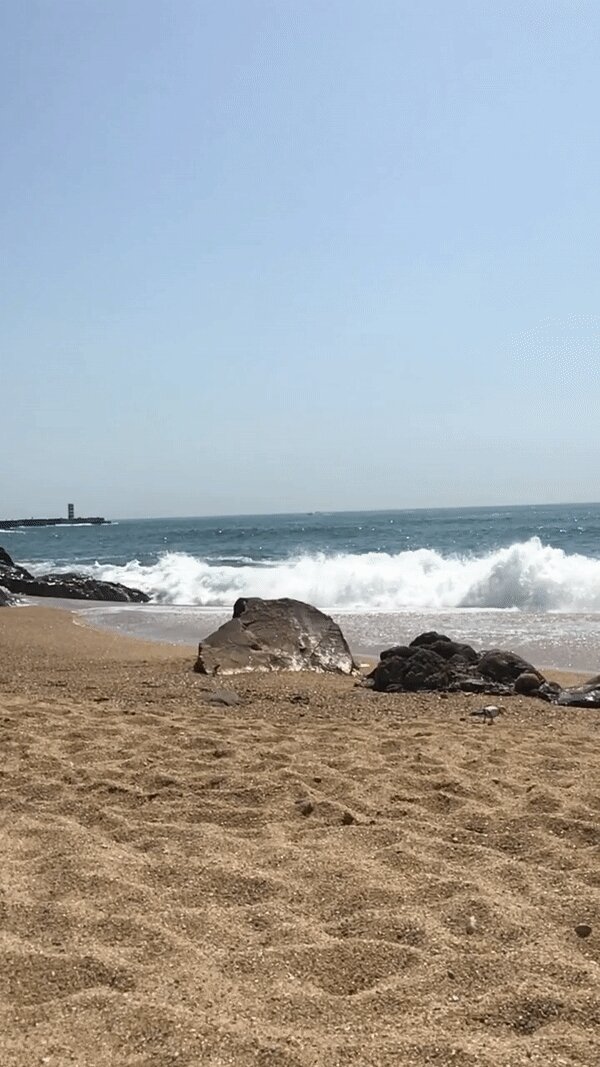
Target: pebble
[
  {"x": 306, "y": 807},
  {"x": 583, "y": 930},
  {"x": 471, "y": 924},
  {"x": 348, "y": 818},
  {"x": 226, "y": 697}
]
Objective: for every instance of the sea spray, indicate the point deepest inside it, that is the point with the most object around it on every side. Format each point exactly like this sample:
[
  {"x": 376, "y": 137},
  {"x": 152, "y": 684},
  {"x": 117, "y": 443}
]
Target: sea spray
[{"x": 527, "y": 575}]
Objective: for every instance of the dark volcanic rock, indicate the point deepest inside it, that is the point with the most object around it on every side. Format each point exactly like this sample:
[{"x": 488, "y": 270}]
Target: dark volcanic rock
[
  {"x": 548, "y": 691},
  {"x": 403, "y": 651},
  {"x": 425, "y": 669},
  {"x": 458, "y": 654},
  {"x": 275, "y": 635},
  {"x": 431, "y": 637},
  {"x": 74, "y": 587},
  {"x": 481, "y": 685},
  {"x": 434, "y": 662},
  {"x": 454, "y": 651},
  {"x": 5, "y": 598},
  {"x": 500, "y": 666},
  {"x": 70, "y": 586},
  {"x": 527, "y": 683},
  {"x": 580, "y": 696}
]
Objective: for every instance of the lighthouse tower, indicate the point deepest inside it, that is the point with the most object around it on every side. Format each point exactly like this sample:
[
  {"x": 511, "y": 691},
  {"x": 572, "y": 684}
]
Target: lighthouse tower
[{"x": 71, "y": 512}]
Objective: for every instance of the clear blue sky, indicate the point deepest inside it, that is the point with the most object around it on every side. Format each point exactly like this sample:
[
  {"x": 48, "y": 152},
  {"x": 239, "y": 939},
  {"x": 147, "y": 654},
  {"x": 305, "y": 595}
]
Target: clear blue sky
[{"x": 296, "y": 255}]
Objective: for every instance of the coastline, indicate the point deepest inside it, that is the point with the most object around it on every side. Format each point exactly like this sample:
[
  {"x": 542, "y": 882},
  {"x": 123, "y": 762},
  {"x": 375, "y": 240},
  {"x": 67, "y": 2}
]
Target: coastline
[
  {"x": 48, "y": 625},
  {"x": 570, "y": 647}
]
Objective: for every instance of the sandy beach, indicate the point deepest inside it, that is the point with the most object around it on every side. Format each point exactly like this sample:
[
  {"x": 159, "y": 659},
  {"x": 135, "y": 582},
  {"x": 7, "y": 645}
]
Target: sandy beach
[{"x": 319, "y": 875}]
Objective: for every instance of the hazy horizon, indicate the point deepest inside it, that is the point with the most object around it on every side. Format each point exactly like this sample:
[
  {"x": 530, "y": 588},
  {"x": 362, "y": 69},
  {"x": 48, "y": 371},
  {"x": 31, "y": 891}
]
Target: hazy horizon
[
  {"x": 265, "y": 259},
  {"x": 320, "y": 511},
  {"x": 358, "y": 511}
]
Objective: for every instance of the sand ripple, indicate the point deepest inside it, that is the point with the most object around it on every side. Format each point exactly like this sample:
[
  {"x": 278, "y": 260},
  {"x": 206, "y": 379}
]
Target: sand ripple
[{"x": 179, "y": 884}]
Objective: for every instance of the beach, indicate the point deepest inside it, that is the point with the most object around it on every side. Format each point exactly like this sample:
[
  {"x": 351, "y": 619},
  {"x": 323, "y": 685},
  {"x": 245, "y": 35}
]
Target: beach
[
  {"x": 317, "y": 875},
  {"x": 524, "y": 578}
]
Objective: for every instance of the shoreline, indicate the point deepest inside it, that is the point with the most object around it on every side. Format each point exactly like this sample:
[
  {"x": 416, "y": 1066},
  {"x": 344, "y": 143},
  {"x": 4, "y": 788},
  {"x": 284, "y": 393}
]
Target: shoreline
[
  {"x": 530, "y": 635},
  {"x": 55, "y": 620}
]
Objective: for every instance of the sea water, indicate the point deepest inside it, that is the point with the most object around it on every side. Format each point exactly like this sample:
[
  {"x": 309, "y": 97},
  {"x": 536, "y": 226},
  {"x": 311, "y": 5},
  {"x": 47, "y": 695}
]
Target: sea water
[{"x": 527, "y": 577}]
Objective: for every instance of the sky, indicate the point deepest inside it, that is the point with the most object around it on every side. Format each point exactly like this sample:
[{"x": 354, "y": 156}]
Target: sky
[{"x": 272, "y": 255}]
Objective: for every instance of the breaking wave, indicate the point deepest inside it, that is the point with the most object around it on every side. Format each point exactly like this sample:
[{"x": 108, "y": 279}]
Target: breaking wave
[{"x": 527, "y": 575}]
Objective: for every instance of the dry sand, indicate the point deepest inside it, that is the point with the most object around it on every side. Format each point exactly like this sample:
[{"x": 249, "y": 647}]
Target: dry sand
[{"x": 180, "y": 884}]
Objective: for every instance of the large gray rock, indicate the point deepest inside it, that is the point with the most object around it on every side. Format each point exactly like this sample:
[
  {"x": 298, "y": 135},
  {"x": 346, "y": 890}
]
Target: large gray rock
[{"x": 275, "y": 635}]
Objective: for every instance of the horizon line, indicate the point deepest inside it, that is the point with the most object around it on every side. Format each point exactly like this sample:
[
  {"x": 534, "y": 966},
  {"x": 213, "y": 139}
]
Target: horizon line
[{"x": 356, "y": 511}]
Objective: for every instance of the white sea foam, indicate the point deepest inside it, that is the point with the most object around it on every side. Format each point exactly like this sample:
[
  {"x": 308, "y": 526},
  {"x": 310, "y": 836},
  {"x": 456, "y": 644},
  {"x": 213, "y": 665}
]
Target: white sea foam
[{"x": 527, "y": 575}]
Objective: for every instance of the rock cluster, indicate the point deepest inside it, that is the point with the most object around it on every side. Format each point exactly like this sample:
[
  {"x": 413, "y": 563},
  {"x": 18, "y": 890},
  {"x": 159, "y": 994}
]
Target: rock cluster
[
  {"x": 16, "y": 579},
  {"x": 275, "y": 635},
  {"x": 434, "y": 662}
]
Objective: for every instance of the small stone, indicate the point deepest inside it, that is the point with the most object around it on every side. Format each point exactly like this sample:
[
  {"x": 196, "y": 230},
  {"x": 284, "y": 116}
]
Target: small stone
[
  {"x": 527, "y": 682},
  {"x": 450, "y": 973},
  {"x": 348, "y": 818},
  {"x": 583, "y": 930},
  {"x": 306, "y": 807},
  {"x": 471, "y": 924},
  {"x": 226, "y": 697},
  {"x": 317, "y": 778}
]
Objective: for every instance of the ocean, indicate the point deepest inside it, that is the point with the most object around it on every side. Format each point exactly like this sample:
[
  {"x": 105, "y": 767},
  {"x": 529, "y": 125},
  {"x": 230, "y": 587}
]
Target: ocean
[{"x": 524, "y": 577}]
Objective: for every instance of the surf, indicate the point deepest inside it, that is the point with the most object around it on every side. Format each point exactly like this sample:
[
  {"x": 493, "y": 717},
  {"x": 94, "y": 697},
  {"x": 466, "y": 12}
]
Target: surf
[{"x": 526, "y": 576}]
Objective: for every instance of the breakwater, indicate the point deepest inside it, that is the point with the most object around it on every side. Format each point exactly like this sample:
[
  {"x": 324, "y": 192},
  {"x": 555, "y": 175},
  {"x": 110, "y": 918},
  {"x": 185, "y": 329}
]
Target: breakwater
[{"x": 13, "y": 524}]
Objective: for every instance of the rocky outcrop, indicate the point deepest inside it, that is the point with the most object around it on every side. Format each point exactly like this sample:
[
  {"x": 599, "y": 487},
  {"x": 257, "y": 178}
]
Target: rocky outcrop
[
  {"x": 5, "y": 598},
  {"x": 505, "y": 667},
  {"x": 275, "y": 635},
  {"x": 70, "y": 586},
  {"x": 434, "y": 662}
]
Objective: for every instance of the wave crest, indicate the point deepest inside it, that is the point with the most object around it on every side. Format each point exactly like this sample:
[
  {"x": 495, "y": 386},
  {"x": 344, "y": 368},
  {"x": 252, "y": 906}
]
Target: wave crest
[{"x": 526, "y": 575}]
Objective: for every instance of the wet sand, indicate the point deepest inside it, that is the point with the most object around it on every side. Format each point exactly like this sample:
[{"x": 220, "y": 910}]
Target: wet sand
[{"x": 319, "y": 875}]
